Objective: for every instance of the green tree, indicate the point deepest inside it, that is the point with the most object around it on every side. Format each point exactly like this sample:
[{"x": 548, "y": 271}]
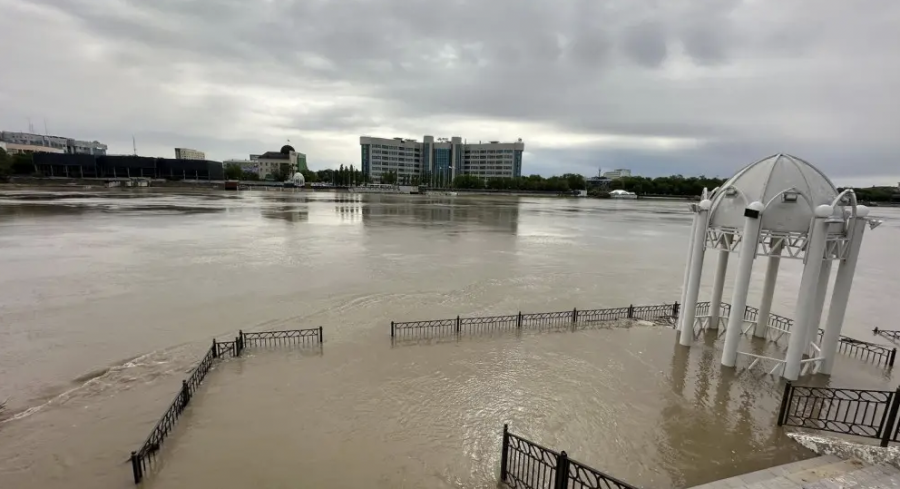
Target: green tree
[
  {"x": 389, "y": 178},
  {"x": 468, "y": 182},
  {"x": 5, "y": 164},
  {"x": 23, "y": 164},
  {"x": 309, "y": 176},
  {"x": 233, "y": 171}
]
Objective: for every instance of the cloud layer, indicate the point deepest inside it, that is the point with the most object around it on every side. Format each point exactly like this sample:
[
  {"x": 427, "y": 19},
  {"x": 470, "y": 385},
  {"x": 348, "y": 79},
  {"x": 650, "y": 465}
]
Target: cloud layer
[{"x": 662, "y": 87}]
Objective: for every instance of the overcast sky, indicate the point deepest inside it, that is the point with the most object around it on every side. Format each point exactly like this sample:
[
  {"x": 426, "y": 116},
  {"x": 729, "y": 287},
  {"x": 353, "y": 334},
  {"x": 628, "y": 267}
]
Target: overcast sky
[{"x": 657, "y": 86}]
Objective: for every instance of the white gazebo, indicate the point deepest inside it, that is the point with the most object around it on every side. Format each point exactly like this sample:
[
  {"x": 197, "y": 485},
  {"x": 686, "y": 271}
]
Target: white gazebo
[{"x": 779, "y": 207}]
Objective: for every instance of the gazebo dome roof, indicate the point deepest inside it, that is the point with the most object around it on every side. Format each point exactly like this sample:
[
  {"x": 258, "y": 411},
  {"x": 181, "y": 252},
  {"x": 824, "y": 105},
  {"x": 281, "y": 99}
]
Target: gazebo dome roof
[{"x": 765, "y": 181}]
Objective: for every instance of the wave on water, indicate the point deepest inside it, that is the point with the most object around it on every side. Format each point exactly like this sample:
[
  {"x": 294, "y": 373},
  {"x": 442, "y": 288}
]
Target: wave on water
[{"x": 119, "y": 376}]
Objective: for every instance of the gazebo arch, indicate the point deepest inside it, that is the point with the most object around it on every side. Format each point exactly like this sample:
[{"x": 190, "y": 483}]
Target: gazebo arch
[{"x": 778, "y": 207}]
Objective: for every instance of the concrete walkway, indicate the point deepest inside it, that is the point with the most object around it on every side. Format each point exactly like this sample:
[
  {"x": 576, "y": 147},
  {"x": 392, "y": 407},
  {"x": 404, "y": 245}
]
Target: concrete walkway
[{"x": 825, "y": 472}]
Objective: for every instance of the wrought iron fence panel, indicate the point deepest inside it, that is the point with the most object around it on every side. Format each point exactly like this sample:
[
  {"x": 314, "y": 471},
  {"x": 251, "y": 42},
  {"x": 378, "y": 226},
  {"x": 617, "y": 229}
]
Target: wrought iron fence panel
[
  {"x": 780, "y": 322},
  {"x": 592, "y": 316},
  {"x": 702, "y": 309},
  {"x": 849, "y": 411},
  {"x": 223, "y": 347},
  {"x": 545, "y": 319},
  {"x": 651, "y": 313},
  {"x": 891, "y": 334},
  {"x": 200, "y": 371},
  {"x": 866, "y": 351},
  {"x": 750, "y": 313},
  {"x": 529, "y": 465},
  {"x": 491, "y": 324},
  {"x": 580, "y": 476},
  {"x": 434, "y": 327},
  {"x": 287, "y": 337}
]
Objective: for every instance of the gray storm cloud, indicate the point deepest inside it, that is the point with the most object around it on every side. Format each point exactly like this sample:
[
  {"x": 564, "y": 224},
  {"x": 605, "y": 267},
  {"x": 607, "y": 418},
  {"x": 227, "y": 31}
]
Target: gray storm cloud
[{"x": 661, "y": 87}]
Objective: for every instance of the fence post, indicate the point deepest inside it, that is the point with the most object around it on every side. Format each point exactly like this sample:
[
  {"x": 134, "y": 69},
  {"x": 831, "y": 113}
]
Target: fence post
[
  {"x": 136, "y": 468},
  {"x": 893, "y": 357},
  {"x": 631, "y": 311},
  {"x": 236, "y": 351},
  {"x": 574, "y": 317},
  {"x": 457, "y": 324},
  {"x": 562, "y": 471},
  {"x": 785, "y": 404},
  {"x": 503, "y": 454},
  {"x": 519, "y": 321},
  {"x": 185, "y": 394},
  {"x": 890, "y": 422},
  {"x": 675, "y": 310},
  {"x": 320, "y": 335},
  {"x": 392, "y": 329},
  {"x": 215, "y": 349},
  {"x": 241, "y": 336}
]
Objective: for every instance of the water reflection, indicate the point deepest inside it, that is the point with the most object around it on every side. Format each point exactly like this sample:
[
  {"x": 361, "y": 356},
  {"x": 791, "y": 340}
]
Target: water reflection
[
  {"x": 289, "y": 213},
  {"x": 724, "y": 416},
  {"x": 423, "y": 211}
]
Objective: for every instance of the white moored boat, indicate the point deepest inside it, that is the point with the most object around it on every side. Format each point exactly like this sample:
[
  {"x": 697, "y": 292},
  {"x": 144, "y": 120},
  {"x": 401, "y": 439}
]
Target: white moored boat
[{"x": 622, "y": 194}]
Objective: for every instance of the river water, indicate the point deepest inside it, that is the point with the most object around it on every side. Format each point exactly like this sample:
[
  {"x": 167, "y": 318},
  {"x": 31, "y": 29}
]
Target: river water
[{"x": 108, "y": 298}]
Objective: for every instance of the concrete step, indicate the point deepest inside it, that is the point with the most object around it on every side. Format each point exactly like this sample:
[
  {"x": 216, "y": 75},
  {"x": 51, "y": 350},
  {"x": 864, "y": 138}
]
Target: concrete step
[{"x": 825, "y": 472}]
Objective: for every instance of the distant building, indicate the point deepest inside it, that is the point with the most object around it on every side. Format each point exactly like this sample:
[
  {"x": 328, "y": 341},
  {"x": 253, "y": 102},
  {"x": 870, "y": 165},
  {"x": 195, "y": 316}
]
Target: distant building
[
  {"x": 614, "y": 174},
  {"x": 270, "y": 162},
  {"x": 439, "y": 162},
  {"x": 247, "y": 166},
  {"x": 2, "y": 145},
  {"x": 128, "y": 166},
  {"x": 301, "y": 162},
  {"x": 25, "y": 142},
  {"x": 600, "y": 183},
  {"x": 189, "y": 154}
]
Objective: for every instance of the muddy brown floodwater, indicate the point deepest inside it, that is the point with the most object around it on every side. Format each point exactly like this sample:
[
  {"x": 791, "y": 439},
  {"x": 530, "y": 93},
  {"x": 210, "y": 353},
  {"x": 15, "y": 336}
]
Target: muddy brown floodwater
[{"x": 107, "y": 299}]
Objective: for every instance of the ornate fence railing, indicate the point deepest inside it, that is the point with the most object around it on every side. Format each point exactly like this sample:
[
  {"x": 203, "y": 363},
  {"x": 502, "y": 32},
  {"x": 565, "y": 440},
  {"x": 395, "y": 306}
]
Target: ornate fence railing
[
  {"x": 861, "y": 412},
  {"x": 525, "y": 464},
  {"x": 891, "y": 334},
  {"x": 869, "y": 352},
  {"x": 541, "y": 320},
  {"x": 143, "y": 458}
]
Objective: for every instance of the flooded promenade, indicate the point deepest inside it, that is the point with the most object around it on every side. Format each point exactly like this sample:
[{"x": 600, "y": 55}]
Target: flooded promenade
[{"x": 107, "y": 300}]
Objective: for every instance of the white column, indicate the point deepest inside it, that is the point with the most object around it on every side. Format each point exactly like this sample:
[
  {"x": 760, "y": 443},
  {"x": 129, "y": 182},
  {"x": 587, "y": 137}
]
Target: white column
[
  {"x": 765, "y": 306},
  {"x": 715, "y": 303},
  {"x": 749, "y": 241},
  {"x": 693, "y": 290},
  {"x": 841, "y": 292},
  {"x": 687, "y": 271},
  {"x": 819, "y": 305},
  {"x": 815, "y": 251}
]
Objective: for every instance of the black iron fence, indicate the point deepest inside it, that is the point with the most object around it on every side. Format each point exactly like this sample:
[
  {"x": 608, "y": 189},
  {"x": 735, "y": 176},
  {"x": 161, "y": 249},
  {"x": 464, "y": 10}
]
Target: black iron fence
[
  {"x": 869, "y": 352},
  {"x": 143, "y": 458},
  {"x": 527, "y": 465},
  {"x": 891, "y": 334},
  {"x": 861, "y": 412},
  {"x": 543, "y": 320}
]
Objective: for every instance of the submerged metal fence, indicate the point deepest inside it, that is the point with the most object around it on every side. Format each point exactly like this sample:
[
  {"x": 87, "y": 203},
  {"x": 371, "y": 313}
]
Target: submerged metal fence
[
  {"x": 860, "y": 412},
  {"x": 527, "y": 465},
  {"x": 541, "y": 320},
  {"x": 143, "y": 458}
]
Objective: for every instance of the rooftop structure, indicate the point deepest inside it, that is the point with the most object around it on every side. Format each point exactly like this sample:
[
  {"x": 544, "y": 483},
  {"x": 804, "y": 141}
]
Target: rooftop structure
[
  {"x": 25, "y": 142},
  {"x": 189, "y": 154},
  {"x": 778, "y": 207},
  {"x": 619, "y": 173}
]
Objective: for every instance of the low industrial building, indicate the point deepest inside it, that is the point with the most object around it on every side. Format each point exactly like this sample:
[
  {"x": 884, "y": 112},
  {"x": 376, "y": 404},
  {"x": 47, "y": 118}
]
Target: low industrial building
[{"x": 89, "y": 166}]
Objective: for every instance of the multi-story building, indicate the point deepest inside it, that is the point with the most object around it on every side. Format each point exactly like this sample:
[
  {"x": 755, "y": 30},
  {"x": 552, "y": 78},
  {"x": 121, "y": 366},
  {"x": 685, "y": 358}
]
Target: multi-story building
[
  {"x": 619, "y": 173},
  {"x": 438, "y": 162},
  {"x": 189, "y": 154},
  {"x": 25, "y": 142}
]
